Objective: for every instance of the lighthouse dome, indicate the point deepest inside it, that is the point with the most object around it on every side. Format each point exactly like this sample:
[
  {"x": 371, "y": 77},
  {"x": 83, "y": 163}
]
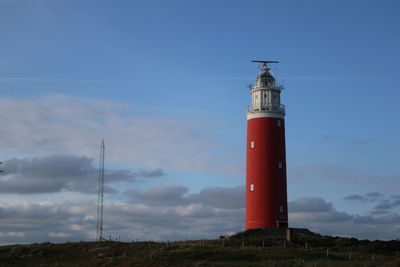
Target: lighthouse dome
[
  {"x": 265, "y": 76},
  {"x": 264, "y": 79}
]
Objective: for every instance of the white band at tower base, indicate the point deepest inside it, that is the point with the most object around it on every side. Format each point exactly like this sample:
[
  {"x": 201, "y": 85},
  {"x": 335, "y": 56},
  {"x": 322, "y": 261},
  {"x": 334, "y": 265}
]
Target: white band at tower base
[{"x": 253, "y": 115}]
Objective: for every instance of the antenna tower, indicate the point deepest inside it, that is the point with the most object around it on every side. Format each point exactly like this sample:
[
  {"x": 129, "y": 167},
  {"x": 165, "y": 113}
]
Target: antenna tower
[{"x": 100, "y": 195}]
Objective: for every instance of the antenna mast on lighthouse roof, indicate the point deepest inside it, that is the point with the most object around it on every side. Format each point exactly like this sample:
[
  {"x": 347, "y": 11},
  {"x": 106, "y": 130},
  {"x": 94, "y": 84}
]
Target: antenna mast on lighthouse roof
[{"x": 100, "y": 195}]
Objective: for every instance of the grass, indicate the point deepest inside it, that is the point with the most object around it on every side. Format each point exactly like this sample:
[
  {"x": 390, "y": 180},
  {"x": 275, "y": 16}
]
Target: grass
[{"x": 254, "y": 248}]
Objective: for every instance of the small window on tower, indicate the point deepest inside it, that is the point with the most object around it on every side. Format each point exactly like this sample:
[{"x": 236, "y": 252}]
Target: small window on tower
[
  {"x": 278, "y": 122},
  {"x": 281, "y": 209},
  {"x": 280, "y": 164},
  {"x": 251, "y": 187},
  {"x": 252, "y": 144}
]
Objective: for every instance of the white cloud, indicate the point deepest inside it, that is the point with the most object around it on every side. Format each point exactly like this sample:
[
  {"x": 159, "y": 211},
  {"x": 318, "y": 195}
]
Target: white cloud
[
  {"x": 70, "y": 221},
  {"x": 163, "y": 195},
  {"x": 58, "y": 235},
  {"x": 372, "y": 196},
  {"x": 322, "y": 217},
  {"x": 55, "y": 173},
  {"x": 191, "y": 219},
  {"x": 315, "y": 210},
  {"x": 310, "y": 204},
  {"x": 72, "y": 125},
  {"x": 217, "y": 197},
  {"x": 12, "y": 234},
  {"x": 191, "y": 210}
]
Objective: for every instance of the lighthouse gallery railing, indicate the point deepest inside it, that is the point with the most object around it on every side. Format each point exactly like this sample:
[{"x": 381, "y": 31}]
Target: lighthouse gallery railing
[{"x": 267, "y": 107}]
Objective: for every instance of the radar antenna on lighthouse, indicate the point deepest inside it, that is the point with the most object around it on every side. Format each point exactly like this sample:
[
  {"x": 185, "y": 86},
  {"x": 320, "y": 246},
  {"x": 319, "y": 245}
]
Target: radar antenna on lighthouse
[{"x": 265, "y": 61}]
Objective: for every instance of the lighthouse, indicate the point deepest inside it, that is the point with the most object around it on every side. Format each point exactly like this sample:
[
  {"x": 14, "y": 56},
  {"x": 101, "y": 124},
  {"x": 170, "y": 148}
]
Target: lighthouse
[{"x": 266, "y": 190}]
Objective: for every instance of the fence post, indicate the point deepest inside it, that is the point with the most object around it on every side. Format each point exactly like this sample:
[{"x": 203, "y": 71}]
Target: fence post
[
  {"x": 305, "y": 246},
  {"x": 327, "y": 252},
  {"x": 263, "y": 244},
  {"x": 284, "y": 243},
  {"x": 242, "y": 243}
]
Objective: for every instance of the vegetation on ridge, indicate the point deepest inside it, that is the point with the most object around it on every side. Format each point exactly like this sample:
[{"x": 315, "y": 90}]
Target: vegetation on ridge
[{"x": 258, "y": 247}]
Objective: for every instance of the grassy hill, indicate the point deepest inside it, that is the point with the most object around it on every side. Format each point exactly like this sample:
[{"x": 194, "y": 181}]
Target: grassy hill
[{"x": 260, "y": 247}]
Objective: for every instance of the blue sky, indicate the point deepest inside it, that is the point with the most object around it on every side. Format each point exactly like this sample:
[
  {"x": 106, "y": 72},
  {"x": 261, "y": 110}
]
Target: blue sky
[{"x": 164, "y": 82}]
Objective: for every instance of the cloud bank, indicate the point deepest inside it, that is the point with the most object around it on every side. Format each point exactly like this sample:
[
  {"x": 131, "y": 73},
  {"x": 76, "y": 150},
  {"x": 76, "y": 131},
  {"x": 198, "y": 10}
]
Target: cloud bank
[
  {"x": 171, "y": 213},
  {"x": 60, "y": 124},
  {"x": 49, "y": 132},
  {"x": 56, "y": 173}
]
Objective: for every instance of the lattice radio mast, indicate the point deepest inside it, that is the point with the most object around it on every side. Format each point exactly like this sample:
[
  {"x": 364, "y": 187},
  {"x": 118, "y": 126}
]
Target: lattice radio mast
[{"x": 100, "y": 195}]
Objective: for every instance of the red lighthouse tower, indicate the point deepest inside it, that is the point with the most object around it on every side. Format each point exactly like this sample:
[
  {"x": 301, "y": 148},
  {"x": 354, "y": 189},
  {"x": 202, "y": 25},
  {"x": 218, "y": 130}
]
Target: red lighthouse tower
[{"x": 266, "y": 195}]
